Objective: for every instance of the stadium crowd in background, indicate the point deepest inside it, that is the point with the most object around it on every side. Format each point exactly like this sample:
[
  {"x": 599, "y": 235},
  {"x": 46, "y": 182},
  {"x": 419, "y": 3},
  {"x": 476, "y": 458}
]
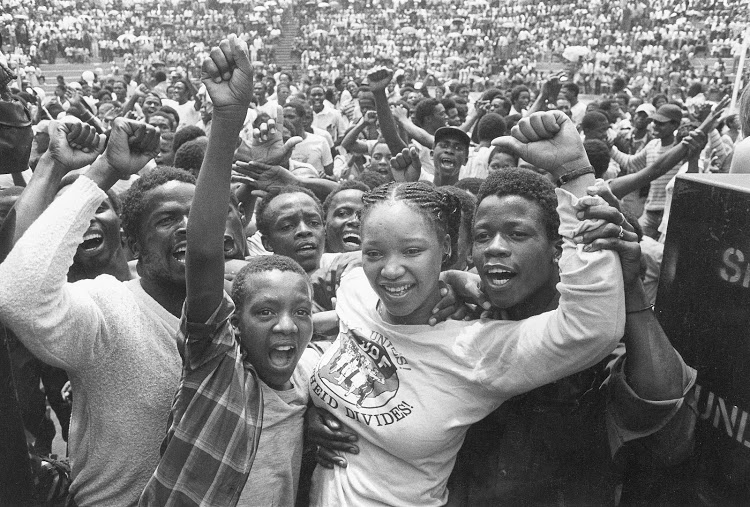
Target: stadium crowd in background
[{"x": 126, "y": 275}]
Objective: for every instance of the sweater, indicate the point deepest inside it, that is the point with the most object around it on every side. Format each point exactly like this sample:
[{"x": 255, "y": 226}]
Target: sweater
[{"x": 116, "y": 343}]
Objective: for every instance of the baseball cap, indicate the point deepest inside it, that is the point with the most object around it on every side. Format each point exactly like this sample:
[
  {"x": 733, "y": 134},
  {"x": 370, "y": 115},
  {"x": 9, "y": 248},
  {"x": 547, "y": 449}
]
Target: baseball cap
[
  {"x": 454, "y": 132},
  {"x": 646, "y": 108},
  {"x": 668, "y": 112}
]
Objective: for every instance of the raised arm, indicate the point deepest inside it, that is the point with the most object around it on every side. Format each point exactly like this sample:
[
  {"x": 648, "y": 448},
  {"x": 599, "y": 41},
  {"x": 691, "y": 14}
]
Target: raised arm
[
  {"x": 351, "y": 142},
  {"x": 379, "y": 79},
  {"x": 416, "y": 133},
  {"x": 72, "y": 145},
  {"x": 227, "y": 75}
]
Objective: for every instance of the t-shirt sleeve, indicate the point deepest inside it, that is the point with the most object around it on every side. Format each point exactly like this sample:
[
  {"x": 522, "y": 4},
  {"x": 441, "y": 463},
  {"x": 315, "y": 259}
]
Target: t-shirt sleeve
[{"x": 204, "y": 342}]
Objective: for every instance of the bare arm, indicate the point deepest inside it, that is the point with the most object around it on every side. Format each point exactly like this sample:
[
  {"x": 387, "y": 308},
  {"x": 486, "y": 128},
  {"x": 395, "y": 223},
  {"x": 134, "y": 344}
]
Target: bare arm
[
  {"x": 351, "y": 142},
  {"x": 379, "y": 79},
  {"x": 228, "y": 79}
]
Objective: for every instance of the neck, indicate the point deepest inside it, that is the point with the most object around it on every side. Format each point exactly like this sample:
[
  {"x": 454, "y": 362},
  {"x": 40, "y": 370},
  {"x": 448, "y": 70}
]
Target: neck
[
  {"x": 116, "y": 267},
  {"x": 319, "y": 108},
  {"x": 543, "y": 300},
  {"x": 168, "y": 295}
]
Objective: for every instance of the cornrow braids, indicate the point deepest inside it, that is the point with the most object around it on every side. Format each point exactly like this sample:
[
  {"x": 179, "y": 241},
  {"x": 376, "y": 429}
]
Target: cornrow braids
[{"x": 442, "y": 209}]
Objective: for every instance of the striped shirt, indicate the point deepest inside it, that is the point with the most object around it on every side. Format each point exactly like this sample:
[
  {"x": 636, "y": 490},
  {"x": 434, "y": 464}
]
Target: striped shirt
[
  {"x": 214, "y": 423},
  {"x": 657, "y": 194}
]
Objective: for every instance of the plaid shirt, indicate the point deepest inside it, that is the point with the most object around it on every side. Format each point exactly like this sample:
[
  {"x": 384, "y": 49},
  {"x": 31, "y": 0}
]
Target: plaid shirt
[{"x": 215, "y": 421}]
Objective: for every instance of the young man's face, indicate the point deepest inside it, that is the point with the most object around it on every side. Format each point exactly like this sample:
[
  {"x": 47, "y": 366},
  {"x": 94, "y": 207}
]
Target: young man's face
[
  {"x": 564, "y": 106},
  {"x": 317, "y": 96},
  {"x": 449, "y": 155},
  {"x": 180, "y": 92},
  {"x": 438, "y": 118},
  {"x": 160, "y": 247},
  {"x": 291, "y": 115},
  {"x": 342, "y": 222},
  {"x": 275, "y": 324},
  {"x": 166, "y": 154},
  {"x": 511, "y": 250},
  {"x": 641, "y": 120},
  {"x": 259, "y": 91},
  {"x": 380, "y": 161},
  {"x": 453, "y": 118},
  {"x": 120, "y": 90},
  {"x": 150, "y": 104},
  {"x": 161, "y": 123},
  {"x": 297, "y": 229},
  {"x": 664, "y": 129}
]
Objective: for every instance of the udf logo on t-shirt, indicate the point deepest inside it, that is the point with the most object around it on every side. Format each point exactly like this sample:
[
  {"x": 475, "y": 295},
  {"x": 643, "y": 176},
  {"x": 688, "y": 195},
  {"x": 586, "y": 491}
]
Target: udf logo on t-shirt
[{"x": 361, "y": 372}]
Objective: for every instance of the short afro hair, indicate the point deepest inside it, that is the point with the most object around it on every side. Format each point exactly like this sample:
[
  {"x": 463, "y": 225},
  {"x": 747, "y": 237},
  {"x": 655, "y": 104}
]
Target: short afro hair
[
  {"x": 491, "y": 126},
  {"x": 598, "y": 153},
  {"x": 172, "y": 112},
  {"x": 517, "y": 91},
  {"x": 190, "y": 157},
  {"x": 344, "y": 185},
  {"x": 471, "y": 185},
  {"x": 134, "y": 200},
  {"x": 263, "y": 264},
  {"x": 262, "y": 221},
  {"x": 185, "y": 134},
  {"x": 530, "y": 185},
  {"x": 593, "y": 120},
  {"x": 423, "y": 109}
]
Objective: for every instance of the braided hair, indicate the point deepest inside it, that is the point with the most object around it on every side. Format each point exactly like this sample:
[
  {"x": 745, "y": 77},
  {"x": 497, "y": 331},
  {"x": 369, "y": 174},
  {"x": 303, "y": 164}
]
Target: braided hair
[{"x": 442, "y": 210}]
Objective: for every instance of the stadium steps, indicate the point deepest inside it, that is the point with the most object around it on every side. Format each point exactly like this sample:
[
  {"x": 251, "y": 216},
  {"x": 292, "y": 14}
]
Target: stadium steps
[
  {"x": 71, "y": 71},
  {"x": 289, "y": 29}
]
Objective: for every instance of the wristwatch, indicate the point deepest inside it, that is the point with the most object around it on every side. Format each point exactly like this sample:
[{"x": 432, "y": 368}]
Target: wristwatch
[{"x": 576, "y": 173}]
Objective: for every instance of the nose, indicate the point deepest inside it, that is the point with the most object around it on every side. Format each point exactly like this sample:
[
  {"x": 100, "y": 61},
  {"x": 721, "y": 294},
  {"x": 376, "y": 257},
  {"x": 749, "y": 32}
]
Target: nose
[
  {"x": 392, "y": 269},
  {"x": 353, "y": 219},
  {"x": 303, "y": 230},
  {"x": 285, "y": 324},
  {"x": 498, "y": 247},
  {"x": 182, "y": 226}
]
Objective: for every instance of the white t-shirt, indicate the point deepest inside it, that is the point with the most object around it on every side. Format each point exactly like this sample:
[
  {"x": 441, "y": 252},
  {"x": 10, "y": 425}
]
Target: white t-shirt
[
  {"x": 274, "y": 477},
  {"x": 313, "y": 150},
  {"x": 411, "y": 392},
  {"x": 187, "y": 112}
]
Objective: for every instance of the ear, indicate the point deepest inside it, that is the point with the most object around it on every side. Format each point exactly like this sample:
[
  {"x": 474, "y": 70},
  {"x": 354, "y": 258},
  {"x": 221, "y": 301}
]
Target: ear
[
  {"x": 447, "y": 246},
  {"x": 266, "y": 244},
  {"x": 557, "y": 251},
  {"x": 235, "y": 320},
  {"x": 134, "y": 247}
]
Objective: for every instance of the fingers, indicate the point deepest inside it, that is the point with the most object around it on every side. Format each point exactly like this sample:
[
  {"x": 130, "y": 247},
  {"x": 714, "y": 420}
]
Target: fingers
[
  {"x": 607, "y": 213},
  {"x": 240, "y": 55},
  {"x": 513, "y": 144},
  {"x": 209, "y": 70},
  {"x": 224, "y": 59},
  {"x": 602, "y": 189},
  {"x": 328, "y": 459},
  {"x": 291, "y": 143},
  {"x": 403, "y": 160}
]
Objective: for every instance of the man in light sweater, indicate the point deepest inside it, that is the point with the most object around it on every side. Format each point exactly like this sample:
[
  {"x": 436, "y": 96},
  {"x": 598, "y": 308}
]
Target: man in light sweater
[{"x": 115, "y": 339}]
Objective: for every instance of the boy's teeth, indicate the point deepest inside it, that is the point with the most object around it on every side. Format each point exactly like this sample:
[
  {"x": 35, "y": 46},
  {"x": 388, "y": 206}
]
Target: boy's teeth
[
  {"x": 92, "y": 235},
  {"x": 284, "y": 348}
]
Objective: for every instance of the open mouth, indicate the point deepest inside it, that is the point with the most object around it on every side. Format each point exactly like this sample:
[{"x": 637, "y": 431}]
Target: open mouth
[
  {"x": 307, "y": 248},
  {"x": 397, "y": 291},
  {"x": 351, "y": 239},
  {"x": 229, "y": 246},
  {"x": 92, "y": 241},
  {"x": 498, "y": 276},
  {"x": 282, "y": 356},
  {"x": 179, "y": 254},
  {"x": 448, "y": 164}
]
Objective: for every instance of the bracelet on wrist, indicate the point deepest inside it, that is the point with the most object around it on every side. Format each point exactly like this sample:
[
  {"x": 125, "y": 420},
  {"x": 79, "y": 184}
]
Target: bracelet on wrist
[
  {"x": 639, "y": 310},
  {"x": 575, "y": 173}
]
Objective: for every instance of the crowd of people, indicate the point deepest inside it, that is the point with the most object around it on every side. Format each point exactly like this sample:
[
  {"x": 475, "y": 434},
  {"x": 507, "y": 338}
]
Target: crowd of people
[
  {"x": 413, "y": 271},
  {"x": 177, "y": 33}
]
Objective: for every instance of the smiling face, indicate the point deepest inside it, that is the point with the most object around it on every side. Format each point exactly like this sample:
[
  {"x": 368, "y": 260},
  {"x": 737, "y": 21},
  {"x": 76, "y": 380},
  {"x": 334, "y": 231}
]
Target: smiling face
[
  {"x": 401, "y": 256},
  {"x": 449, "y": 155},
  {"x": 317, "y": 96},
  {"x": 664, "y": 129},
  {"x": 275, "y": 324},
  {"x": 296, "y": 229},
  {"x": 342, "y": 222},
  {"x": 160, "y": 246},
  {"x": 150, "y": 104},
  {"x": 180, "y": 92},
  {"x": 512, "y": 251}
]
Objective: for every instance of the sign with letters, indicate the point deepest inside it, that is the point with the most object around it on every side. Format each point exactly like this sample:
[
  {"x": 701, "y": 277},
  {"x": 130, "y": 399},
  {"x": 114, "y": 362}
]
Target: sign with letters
[{"x": 703, "y": 304}]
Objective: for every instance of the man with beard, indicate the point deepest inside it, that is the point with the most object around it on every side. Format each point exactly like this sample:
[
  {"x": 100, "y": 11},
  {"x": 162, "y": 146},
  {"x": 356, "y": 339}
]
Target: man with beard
[{"x": 115, "y": 339}]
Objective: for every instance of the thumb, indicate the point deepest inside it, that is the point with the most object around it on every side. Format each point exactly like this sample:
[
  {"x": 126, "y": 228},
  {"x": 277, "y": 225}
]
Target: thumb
[
  {"x": 511, "y": 144},
  {"x": 239, "y": 53},
  {"x": 291, "y": 143}
]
